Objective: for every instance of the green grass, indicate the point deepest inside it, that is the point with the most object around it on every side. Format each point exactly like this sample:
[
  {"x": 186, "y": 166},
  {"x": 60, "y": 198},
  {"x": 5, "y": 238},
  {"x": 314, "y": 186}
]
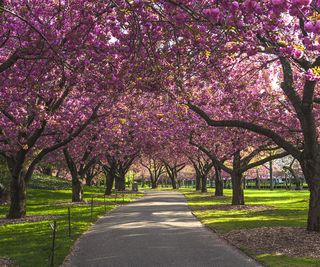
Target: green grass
[
  {"x": 48, "y": 182},
  {"x": 29, "y": 243},
  {"x": 290, "y": 210}
]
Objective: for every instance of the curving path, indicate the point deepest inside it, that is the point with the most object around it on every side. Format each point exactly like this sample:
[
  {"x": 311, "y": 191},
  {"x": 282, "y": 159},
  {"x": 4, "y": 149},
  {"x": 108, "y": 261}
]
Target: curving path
[{"x": 156, "y": 230}]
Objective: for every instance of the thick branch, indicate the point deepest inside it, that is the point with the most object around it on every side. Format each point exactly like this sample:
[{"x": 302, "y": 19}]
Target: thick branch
[{"x": 281, "y": 142}]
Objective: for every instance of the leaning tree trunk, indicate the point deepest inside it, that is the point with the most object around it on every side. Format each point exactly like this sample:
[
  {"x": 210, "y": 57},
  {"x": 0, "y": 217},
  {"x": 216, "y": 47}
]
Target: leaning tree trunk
[
  {"x": 218, "y": 183},
  {"x": 237, "y": 188},
  {"x": 198, "y": 183},
  {"x": 204, "y": 184}
]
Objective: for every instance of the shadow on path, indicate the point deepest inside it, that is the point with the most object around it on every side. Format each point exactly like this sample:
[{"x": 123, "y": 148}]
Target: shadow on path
[{"x": 156, "y": 230}]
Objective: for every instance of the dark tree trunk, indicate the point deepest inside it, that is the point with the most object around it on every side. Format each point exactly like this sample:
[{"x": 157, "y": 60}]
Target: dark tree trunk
[
  {"x": 173, "y": 182},
  {"x": 237, "y": 189},
  {"x": 237, "y": 181},
  {"x": 271, "y": 175},
  {"x": 311, "y": 171},
  {"x": 258, "y": 182},
  {"x": 154, "y": 184},
  {"x": 18, "y": 192},
  {"x": 314, "y": 208},
  {"x": 18, "y": 197},
  {"x": 109, "y": 183},
  {"x": 204, "y": 184},
  {"x": 218, "y": 182},
  {"x": 120, "y": 182},
  {"x": 77, "y": 190},
  {"x": 198, "y": 183}
]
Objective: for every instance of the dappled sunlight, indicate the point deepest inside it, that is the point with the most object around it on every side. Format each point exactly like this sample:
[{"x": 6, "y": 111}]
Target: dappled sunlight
[
  {"x": 157, "y": 203},
  {"x": 162, "y": 227},
  {"x": 289, "y": 208},
  {"x": 154, "y": 224}
]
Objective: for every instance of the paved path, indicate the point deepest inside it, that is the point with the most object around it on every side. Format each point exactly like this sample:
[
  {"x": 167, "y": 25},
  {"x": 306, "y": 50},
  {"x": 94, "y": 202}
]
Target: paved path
[{"x": 156, "y": 230}]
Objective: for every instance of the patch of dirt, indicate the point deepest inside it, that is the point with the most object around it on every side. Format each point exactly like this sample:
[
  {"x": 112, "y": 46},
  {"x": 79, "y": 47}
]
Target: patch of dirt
[
  {"x": 289, "y": 241},
  {"x": 5, "y": 262},
  {"x": 227, "y": 207},
  {"x": 28, "y": 219}
]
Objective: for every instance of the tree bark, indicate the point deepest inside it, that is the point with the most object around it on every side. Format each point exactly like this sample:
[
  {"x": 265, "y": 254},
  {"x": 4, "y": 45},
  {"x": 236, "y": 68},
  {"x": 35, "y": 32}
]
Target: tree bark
[
  {"x": 154, "y": 184},
  {"x": 77, "y": 190},
  {"x": 218, "y": 182},
  {"x": 237, "y": 189},
  {"x": 121, "y": 185},
  {"x": 314, "y": 209},
  {"x": 271, "y": 175},
  {"x": 18, "y": 193},
  {"x": 173, "y": 182},
  {"x": 18, "y": 197},
  {"x": 237, "y": 181},
  {"x": 204, "y": 184},
  {"x": 311, "y": 171},
  {"x": 198, "y": 183},
  {"x": 109, "y": 183}
]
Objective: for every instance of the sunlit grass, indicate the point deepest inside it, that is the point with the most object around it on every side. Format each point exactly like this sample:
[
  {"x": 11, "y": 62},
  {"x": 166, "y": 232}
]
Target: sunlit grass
[
  {"x": 289, "y": 209},
  {"x": 29, "y": 243}
]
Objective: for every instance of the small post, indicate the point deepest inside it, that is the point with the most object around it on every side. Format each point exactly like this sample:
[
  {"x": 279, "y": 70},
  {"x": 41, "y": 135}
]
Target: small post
[
  {"x": 54, "y": 228},
  {"x": 91, "y": 207},
  {"x": 122, "y": 197},
  {"x": 115, "y": 197},
  {"x": 104, "y": 202},
  {"x": 69, "y": 221}
]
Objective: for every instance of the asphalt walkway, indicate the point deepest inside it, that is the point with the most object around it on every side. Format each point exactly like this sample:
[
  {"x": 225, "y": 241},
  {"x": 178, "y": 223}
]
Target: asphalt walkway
[{"x": 157, "y": 230}]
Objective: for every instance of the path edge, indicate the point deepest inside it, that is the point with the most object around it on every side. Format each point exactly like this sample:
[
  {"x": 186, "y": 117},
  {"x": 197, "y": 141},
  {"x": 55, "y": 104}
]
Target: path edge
[
  {"x": 73, "y": 248},
  {"x": 213, "y": 231}
]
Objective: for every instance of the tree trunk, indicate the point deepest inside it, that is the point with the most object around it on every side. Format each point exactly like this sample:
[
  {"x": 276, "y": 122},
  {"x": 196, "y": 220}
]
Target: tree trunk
[
  {"x": 198, "y": 183},
  {"x": 18, "y": 193},
  {"x": 204, "y": 184},
  {"x": 258, "y": 182},
  {"x": 77, "y": 190},
  {"x": 271, "y": 175},
  {"x": 18, "y": 197},
  {"x": 218, "y": 182},
  {"x": 173, "y": 182},
  {"x": 314, "y": 208},
  {"x": 311, "y": 171},
  {"x": 237, "y": 189},
  {"x": 153, "y": 184},
  {"x": 121, "y": 186}
]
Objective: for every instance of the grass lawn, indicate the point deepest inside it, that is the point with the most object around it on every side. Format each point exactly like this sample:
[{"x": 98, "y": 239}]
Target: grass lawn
[
  {"x": 28, "y": 244},
  {"x": 290, "y": 211}
]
